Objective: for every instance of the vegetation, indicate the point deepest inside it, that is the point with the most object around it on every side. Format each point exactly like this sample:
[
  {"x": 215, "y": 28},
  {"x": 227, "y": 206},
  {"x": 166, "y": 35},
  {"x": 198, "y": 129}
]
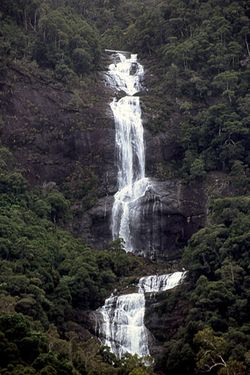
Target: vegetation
[
  {"x": 48, "y": 278},
  {"x": 199, "y": 50},
  {"x": 200, "y": 56},
  {"x": 56, "y": 38},
  {"x": 214, "y": 337}
]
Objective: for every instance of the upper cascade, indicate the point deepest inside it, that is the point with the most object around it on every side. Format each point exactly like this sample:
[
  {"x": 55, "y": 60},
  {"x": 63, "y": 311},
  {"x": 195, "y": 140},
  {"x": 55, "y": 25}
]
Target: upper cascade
[
  {"x": 125, "y": 74},
  {"x": 129, "y": 140}
]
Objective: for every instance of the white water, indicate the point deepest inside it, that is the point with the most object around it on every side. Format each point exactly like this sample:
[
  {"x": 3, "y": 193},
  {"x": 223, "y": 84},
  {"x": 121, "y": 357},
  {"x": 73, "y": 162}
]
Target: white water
[
  {"x": 122, "y": 327},
  {"x": 121, "y": 74},
  {"x": 125, "y": 75},
  {"x": 156, "y": 284}
]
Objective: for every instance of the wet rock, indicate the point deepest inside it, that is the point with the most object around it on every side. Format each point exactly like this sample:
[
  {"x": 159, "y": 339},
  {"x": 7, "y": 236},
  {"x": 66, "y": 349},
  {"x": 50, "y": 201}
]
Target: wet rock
[
  {"x": 162, "y": 321},
  {"x": 169, "y": 214},
  {"x": 134, "y": 68}
]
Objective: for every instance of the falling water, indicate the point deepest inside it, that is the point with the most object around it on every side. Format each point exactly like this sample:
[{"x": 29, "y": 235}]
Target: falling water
[
  {"x": 125, "y": 75},
  {"x": 122, "y": 325},
  {"x": 123, "y": 328},
  {"x": 160, "y": 283}
]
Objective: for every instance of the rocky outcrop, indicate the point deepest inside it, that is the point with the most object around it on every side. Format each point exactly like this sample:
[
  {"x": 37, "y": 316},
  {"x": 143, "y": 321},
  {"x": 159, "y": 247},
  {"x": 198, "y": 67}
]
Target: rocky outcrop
[
  {"x": 165, "y": 313},
  {"x": 95, "y": 224},
  {"x": 169, "y": 214}
]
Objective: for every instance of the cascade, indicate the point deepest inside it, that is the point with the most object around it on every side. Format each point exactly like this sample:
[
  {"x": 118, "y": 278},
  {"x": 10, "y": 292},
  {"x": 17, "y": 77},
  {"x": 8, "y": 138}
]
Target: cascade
[
  {"x": 122, "y": 324},
  {"x": 156, "y": 284},
  {"x": 125, "y": 75}
]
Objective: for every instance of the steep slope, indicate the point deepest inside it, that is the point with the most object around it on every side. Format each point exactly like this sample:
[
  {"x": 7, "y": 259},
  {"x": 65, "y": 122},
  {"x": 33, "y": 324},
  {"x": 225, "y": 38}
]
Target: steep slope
[{"x": 65, "y": 137}]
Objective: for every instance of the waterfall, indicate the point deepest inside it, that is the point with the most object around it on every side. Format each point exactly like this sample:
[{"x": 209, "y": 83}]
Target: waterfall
[
  {"x": 122, "y": 326},
  {"x": 125, "y": 75}
]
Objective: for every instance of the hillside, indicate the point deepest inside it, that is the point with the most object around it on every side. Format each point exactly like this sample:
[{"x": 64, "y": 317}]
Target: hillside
[{"x": 58, "y": 177}]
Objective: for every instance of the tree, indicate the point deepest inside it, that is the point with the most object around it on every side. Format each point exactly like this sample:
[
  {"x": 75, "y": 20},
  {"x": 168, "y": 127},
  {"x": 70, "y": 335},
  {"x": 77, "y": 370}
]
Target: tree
[
  {"x": 197, "y": 169},
  {"x": 81, "y": 60},
  {"x": 213, "y": 355},
  {"x": 59, "y": 206},
  {"x": 238, "y": 176},
  {"x": 212, "y": 351},
  {"x": 227, "y": 82},
  {"x": 66, "y": 41}
]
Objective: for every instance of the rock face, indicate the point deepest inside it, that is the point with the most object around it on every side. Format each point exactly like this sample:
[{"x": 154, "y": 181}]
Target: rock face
[
  {"x": 163, "y": 320},
  {"x": 169, "y": 214},
  {"x": 95, "y": 224},
  {"x": 51, "y": 129}
]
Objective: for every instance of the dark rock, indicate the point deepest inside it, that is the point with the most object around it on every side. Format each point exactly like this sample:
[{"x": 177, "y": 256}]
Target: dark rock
[
  {"x": 95, "y": 225},
  {"x": 134, "y": 69},
  {"x": 169, "y": 214},
  {"x": 163, "y": 322},
  {"x": 49, "y": 135}
]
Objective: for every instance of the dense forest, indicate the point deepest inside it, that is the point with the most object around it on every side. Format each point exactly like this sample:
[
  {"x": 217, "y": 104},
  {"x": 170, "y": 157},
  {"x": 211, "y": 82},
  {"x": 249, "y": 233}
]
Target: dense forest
[{"x": 198, "y": 57}]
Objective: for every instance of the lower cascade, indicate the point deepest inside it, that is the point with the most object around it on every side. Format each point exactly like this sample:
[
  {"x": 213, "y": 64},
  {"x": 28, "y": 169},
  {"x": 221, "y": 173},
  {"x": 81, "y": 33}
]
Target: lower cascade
[{"x": 121, "y": 326}]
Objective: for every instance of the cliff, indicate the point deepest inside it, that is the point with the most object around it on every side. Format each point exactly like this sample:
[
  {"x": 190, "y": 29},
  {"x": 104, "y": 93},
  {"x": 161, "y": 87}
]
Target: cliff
[{"x": 65, "y": 137}]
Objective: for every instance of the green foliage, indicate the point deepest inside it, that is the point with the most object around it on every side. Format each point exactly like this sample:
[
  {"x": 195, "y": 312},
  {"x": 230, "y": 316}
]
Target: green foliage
[
  {"x": 47, "y": 277},
  {"x": 82, "y": 185},
  {"x": 65, "y": 38},
  {"x": 63, "y": 72},
  {"x": 59, "y": 205},
  {"x": 197, "y": 169},
  {"x": 81, "y": 60},
  {"x": 212, "y": 354},
  {"x": 239, "y": 177},
  {"x": 56, "y": 38},
  {"x": 217, "y": 323},
  {"x": 201, "y": 62},
  {"x": 12, "y": 183}
]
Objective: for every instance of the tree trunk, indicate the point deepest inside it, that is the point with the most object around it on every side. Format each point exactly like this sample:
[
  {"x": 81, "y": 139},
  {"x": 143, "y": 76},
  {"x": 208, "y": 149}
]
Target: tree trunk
[
  {"x": 248, "y": 51},
  {"x": 25, "y": 19}
]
